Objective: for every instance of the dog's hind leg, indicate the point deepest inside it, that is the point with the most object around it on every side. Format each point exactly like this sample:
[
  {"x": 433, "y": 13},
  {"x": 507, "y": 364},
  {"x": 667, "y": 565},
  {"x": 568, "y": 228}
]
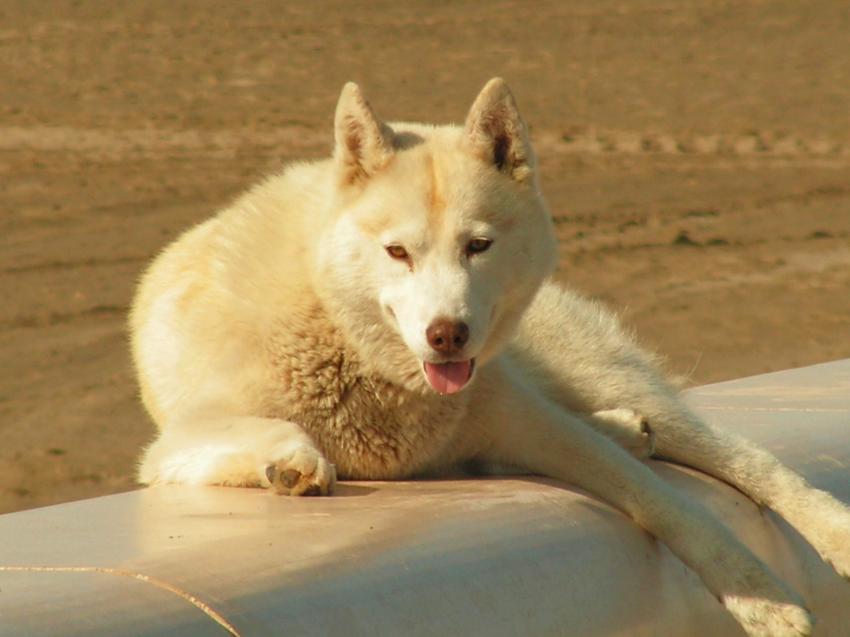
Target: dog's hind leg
[{"x": 680, "y": 436}]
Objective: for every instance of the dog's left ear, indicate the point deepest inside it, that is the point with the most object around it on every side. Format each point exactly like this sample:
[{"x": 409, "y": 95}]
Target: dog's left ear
[
  {"x": 496, "y": 132},
  {"x": 363, "y": 144}
]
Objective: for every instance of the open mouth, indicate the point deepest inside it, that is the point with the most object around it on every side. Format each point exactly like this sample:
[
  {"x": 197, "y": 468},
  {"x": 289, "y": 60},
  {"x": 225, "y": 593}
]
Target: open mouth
[{"x": 449, "y": 378}]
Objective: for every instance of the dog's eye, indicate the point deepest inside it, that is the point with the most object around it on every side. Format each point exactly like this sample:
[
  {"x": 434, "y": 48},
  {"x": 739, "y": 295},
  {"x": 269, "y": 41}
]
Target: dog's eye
[
  {"x": 478, "y": 245},
  {"x": 397, "y": 252}
]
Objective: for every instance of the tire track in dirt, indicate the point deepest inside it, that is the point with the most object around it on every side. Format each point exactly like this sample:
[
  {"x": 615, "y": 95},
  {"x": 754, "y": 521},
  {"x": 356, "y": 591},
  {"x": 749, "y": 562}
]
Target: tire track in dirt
[
  {"x": 804, "y": 263},
  {"x": 613, "y": 242},
  {"x": 591, "y": 141},
  {"x": 108, "y": 144},
  {"x": 63, "y": 318},
  {"x": 48, "y": 266}
]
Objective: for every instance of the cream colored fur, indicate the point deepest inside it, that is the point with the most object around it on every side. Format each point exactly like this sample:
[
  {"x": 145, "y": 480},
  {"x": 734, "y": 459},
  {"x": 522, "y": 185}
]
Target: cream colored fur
[{"x": 279, "y": 344}]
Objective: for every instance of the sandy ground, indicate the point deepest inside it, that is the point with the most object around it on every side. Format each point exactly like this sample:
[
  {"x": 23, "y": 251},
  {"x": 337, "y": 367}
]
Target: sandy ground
[{"x": 696, "y": 159}]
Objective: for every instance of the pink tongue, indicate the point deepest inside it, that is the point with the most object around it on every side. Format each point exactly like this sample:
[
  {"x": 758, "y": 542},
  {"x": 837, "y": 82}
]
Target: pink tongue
[{"x": 448, "y": 378}]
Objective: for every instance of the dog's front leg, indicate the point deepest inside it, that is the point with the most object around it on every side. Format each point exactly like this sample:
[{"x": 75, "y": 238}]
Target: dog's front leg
[
  {"x": 683, "y": 438},
  {"x": 238, "y": 451},
  {"x": 526, "y": 429}
]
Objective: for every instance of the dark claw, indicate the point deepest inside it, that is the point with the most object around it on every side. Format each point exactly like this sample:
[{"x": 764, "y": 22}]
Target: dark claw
[
  {"x": 290, "y": 478},
  {"x": 313, "y": 489},
  {"x": 270, "y": 472}
]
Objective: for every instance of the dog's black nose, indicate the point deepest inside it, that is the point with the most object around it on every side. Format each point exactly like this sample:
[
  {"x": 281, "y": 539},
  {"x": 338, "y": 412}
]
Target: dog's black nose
[{"x": 447, "y": 337}]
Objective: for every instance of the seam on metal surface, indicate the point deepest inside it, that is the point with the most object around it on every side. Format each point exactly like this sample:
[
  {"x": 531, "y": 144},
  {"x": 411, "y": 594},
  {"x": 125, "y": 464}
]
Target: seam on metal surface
[
  {"x": 829, "y": 410},
  {"x": 205, "y": 608}
]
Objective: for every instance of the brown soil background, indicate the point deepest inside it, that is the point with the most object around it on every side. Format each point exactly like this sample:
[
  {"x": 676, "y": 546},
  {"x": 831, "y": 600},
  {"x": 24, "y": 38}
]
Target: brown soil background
[{"x": 696, "y": 159}]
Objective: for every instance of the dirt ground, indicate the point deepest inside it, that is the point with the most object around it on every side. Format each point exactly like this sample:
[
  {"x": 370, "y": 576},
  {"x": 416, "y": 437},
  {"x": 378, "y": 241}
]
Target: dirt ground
[{"x": 696, "y": 159}]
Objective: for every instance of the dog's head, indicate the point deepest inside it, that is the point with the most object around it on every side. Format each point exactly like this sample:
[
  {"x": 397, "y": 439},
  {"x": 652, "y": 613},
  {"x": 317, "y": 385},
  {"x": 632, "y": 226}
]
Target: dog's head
[{"x": 440, "y": 237}]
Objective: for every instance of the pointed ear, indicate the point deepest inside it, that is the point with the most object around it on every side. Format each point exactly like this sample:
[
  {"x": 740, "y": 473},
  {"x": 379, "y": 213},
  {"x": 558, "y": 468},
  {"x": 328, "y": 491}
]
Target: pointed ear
[
  {"x": 362, "y": 144},
  {"x": 496, "y": 132}
]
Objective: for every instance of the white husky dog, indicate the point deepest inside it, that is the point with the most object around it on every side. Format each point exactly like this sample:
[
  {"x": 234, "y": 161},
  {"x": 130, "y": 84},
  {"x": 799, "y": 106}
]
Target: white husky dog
[{"x": 387, "y": 313}]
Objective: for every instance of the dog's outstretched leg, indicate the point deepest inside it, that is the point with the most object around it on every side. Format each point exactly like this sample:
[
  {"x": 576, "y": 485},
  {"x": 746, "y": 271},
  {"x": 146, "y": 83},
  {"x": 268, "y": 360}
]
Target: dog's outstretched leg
[
  {"x": 818, "y": 516},
  {"x": 527, "y": 429},
  {"x": 590, "y": 363}
]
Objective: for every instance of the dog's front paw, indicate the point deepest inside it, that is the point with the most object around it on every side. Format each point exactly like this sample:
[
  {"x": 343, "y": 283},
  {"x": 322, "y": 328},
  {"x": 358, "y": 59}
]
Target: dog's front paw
[
  {"x": 305, "y": 471},
  {"x": 769, "y": 618},
  {"x": 628, "y": 429},
  {"x": 836, "y": 551},
  {"x": 825, "y": 523}
]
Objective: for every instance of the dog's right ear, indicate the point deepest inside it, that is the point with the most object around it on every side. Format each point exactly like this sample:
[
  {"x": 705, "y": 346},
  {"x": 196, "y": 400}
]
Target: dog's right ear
[{"x": 363, "y": 145}]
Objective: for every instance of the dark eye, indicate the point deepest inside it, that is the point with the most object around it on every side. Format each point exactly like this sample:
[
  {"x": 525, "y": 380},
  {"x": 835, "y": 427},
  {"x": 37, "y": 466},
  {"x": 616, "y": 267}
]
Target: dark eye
[
  {"x": 397, "y": 252},
  {"x": 478, "y": 245}
]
